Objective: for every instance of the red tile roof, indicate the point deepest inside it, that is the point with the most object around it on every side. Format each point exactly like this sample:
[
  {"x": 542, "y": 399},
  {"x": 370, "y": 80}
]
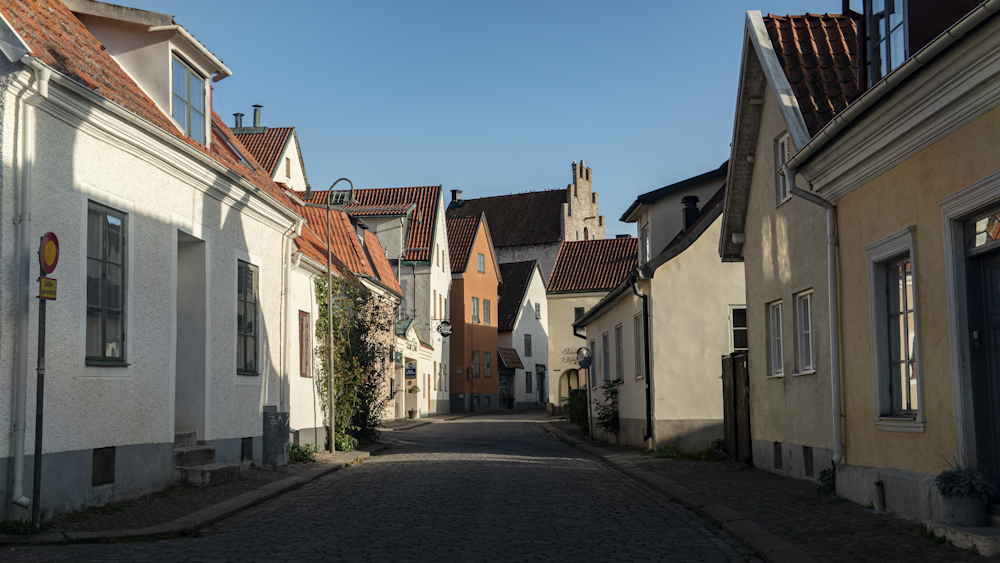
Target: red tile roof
[
  {"x": 266, "y": 147},
  {"x": 518, "y": 219},
  {"x": 461, "y": 236},
  {"x": 421, "y": 224},
  {"x": 359, "y": 210},
  {"x": 380, "y": 262},
  {"x": 509, "y": 358},
  {"x": 818, "y": 53},
  {"x": 57, "y": 38},
  {"x": 516, "y": 279},
  {"x": 593, "y": 265},
  {"x": 343, "y": 239}
]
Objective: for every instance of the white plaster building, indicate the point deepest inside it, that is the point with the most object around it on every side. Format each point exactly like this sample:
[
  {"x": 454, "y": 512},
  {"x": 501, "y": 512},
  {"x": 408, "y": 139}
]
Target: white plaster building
[
  {"x": 523, "y": 338},
  {"x": 174, "y": 269},
  {"x": 689, "y": 295}
]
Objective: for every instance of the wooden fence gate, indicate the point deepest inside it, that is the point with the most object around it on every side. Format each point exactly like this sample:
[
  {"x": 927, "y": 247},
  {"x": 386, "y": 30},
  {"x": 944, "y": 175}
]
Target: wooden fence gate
[{"x": 736, "y": 404}]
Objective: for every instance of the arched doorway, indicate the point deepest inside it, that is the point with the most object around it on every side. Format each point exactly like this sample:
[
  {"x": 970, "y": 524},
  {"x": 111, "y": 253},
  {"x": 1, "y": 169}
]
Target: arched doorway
[{"x": 569, "y": 379}]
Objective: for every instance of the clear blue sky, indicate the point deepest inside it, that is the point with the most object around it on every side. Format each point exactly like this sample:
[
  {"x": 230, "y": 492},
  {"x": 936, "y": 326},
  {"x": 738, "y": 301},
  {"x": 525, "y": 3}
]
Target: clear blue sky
[{"x": 490, "y": 98}]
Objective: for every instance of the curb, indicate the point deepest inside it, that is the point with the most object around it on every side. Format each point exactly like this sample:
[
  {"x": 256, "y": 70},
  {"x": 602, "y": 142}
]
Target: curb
[
  {"x": 202, "y": 518},
  {"x": 770, "y": 547},
  {"x": 424, "y": 422}
]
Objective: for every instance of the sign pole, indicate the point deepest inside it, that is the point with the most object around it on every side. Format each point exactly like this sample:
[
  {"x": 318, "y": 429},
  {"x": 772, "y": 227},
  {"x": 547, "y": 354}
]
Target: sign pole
[{"x": 36, "y": 489}]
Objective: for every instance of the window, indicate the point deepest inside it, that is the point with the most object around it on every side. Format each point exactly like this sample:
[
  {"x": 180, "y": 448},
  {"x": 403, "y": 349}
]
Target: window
[
  {"x": 486, "y": 311},
  {"x": 475, "y": 401},
  {"x": 246, "y": 318},
  {"x": 486, "y": 362},
  {"x": 783, "y": 152},
  {"x": 895, "y": 329},
  {"x": 644, "y": 244},
  {"x": 538, "y": 310},
  {"x": 886, "y": 37},
  {"x": 487, "y": 397},
  {"x": 436, "y": 376},
  {"x": 288, "y": 167},
  {"x": 806, "y": 347},
  {"x": 737, "y": 328},
  {"x": 106, "y": 230},
  {"x": 606, "y": 356},
  {"x": 637, "y": 331},
  {"x": 774, "y": 330},
  {"x": 527, "y": 345},
  {"x": 577, "y": 312},
  {"x": 586, "y": 234},
  {"x": 527, "y": 382},
  {"x": 481, "y": 263},
  {"x": 619, "y": 361},
  {"x": 435, "y": 302},
  {"x": 437, "y": 254},
  {"x": 189, "y": 101},
  {"x": 475, "y": 309},
  {"x": 305, "y": 345},
  {"x": 475, "y": 363}
]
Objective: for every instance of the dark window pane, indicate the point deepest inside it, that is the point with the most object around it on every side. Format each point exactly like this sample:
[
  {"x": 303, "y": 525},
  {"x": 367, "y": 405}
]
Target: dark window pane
[
  {"x": 739, "y": 318},
  {"x": 251, "y": 353},
  {"x": 197, "y": 99},
  {"x": 251, "y": 320},
  {"x": 896, "y": 50},
  {"x": 93, "y": 283},
  {"x": 180, "y": 113},
  {"x": 113, "y": 287},
  {"x": 114, "y": 236},
  {"x": 94, "y": 233},
  {"x": 251, "y": 284},
  {"x": 93, "y": 332},
  {"x": 740, "y": 339},
  {"x": 240, "y": 323},
  {"x": 240, "y": 355},
  {"x": 241, "y": 281},
  {"x": 112, "y": 334}
]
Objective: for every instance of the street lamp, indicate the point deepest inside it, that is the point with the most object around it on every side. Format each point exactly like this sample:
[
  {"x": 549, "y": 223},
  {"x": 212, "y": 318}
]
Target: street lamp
[
  {"x": 329, "y": 303},
  {"x": 584, "y": 358}
]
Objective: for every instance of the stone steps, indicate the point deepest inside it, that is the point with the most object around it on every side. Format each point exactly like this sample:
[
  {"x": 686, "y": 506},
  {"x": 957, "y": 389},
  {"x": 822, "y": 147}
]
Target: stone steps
[
  {"x": 195, "y": 464},
  {"x": 189, "y": 456}
]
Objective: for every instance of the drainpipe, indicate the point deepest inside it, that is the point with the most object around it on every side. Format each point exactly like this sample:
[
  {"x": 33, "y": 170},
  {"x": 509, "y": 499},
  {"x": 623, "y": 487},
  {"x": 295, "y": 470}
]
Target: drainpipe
[
  {"x": 287, "y": 237},
  {"x": 645, "y": 358},
  {"x": 42, "y": 74},
  {"x": 831, "y": 252}
]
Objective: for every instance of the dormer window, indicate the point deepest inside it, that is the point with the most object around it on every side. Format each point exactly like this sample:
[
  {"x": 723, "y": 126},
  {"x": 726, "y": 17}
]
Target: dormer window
[
  {"x": 189, "y": 101},
  {"x": 887, "y": 40},
  {"x": 783, "y": 153}
]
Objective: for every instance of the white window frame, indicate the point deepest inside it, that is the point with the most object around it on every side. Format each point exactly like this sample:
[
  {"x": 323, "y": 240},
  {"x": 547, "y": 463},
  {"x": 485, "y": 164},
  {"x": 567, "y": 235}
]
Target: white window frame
[
  {"x": 644, "y": 244},
  {"x": 619, "y": 352},
  {"x": 637, "y": 329},
  {"x": 879, "y": 254},
  {"x": 733, "y": 327},
  {"x": 538, "y": 310},
  {"x": 606, "y": 355},
  {"x": 805, "y": 333},
  {"x": 775, "y": 340},
  {"x": 207, "y": 117},
  {"x": 782, "y": 151},
  {"x": 481, "y": 263}
]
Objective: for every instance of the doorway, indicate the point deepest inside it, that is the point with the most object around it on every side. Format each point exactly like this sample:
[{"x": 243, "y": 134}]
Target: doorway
[
  {"x": 983, "y": 278},
  {"x": 190, "y": 386},
  {"x": 506, "y": 384}
]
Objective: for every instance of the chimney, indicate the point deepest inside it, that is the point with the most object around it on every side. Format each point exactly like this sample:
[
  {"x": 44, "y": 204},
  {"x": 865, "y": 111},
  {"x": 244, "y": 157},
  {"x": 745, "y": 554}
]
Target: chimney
[
  {"x": 623, "y": 236},
  {"x": 239, "y": 119},
  {"x": 690, "y": 210},
  {"x": 256, "y": 115},
  {"x": 456, "y": 195}
]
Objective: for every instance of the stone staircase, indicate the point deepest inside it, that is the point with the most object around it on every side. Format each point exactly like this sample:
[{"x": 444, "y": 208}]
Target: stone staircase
[{"x": 195, "y": 464}]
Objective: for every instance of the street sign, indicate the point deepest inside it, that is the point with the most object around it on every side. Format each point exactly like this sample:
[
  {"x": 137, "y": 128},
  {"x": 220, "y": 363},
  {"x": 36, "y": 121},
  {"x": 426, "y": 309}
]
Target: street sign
[
  {"x": 48, "y": 253},
  {"x": 411, "y": 370},
  {"x": 47, "y": 288}
]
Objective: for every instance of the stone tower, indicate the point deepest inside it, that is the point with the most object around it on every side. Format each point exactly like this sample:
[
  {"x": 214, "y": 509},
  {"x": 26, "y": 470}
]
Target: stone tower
[{"x": 581, "y": 215}]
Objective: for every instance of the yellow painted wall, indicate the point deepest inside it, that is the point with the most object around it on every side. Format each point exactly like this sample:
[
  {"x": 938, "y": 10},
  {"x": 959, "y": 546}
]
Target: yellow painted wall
[{"x": 904, "y": 196}]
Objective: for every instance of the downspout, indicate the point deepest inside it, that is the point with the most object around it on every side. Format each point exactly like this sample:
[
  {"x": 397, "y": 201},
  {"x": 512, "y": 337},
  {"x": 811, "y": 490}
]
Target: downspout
[
  {"x": 42, "y": 74},
  {"x": 287, "y": 238},
  {"x": 645, "y": 358},
  {"x": 831, "y": 252}
]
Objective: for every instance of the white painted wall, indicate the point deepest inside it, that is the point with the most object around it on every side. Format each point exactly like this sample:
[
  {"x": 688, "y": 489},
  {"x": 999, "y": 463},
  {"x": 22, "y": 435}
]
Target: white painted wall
[
  {"x": 297, "y": 179},
  {"x": 526, "y": 323}
]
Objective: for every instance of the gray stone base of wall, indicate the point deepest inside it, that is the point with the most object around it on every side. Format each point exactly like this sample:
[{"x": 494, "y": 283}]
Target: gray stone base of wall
[
  {"x": 67, "y": 478},
  {"x": 527, "y": 405},
  {"x": 793, "y": 459},
  {"x": 230, "y": 450},
  {"x": 907, "y": 493},
  {"x": 314, "y": 436},
  {"x": 691, "y": 434}
]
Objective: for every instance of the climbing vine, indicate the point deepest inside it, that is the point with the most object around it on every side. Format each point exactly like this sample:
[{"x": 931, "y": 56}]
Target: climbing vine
[
  {"x": 607, "y": 411},
  {"x": 362, "y": 334}
]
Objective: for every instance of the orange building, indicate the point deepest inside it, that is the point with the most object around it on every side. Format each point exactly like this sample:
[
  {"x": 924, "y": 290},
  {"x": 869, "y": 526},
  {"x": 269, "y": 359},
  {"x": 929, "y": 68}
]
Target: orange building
[{"x": 475, "y": 281}]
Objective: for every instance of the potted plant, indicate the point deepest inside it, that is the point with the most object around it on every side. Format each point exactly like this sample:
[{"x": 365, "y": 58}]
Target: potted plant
[
  {"x": 964, "y": 491},
  {"x": 414, "y": 413}
]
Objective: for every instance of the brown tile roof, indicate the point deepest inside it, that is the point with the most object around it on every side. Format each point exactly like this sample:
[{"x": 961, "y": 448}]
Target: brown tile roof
[
  {"x": 343, "y": 239},
  {"x": 593, "y": 265},
  {"x": 516, "y": 278},
  {"x": 57, "y": 38},
  {"x": 266, "y": 147},
  {"x": 461, "y": 235},
  {"x": 818, "y": 53},
  {"x": 518, "y": 219},
  {"x": 380, "y": 262},
  {"x": 509, "y": 358},
  {"x": 421, "y": 225}
]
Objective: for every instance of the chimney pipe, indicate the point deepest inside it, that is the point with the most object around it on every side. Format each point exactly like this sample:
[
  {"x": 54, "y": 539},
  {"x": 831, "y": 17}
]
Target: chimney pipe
[
  {"x": 239, "y": 119},
  {"x": 690, "y": 210},
  {"x": 623, "y": 236},
  {"x": 456, "y": 195},
  {"x": 256, "y": 115}
]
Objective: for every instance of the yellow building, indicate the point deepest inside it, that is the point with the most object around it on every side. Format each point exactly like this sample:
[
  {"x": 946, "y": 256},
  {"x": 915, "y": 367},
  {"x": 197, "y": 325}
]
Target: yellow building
[{"x": 911, "y": 169}]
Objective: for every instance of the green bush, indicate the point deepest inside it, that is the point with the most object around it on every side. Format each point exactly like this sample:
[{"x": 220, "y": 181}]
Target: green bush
[
  {"x": 302, "y": 453},
  {"x": 575, "y": 409},
  {"x": 716, "y": 453},
  {"x": 607, "y": 412},
  {"x": 828, "y": 481}
]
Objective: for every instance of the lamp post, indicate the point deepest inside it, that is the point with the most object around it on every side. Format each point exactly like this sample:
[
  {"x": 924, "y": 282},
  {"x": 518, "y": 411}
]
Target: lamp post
[
  {"x": 329, "y": 304},
  {"x": 472, "y": 372},
  {"x": 584, "y": 359}
]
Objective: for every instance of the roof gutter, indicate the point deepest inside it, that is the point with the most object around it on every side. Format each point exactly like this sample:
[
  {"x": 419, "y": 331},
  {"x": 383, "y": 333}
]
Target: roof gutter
[
  {"x": 885, "y": 86},
  {"x": 222, "y": 70}
]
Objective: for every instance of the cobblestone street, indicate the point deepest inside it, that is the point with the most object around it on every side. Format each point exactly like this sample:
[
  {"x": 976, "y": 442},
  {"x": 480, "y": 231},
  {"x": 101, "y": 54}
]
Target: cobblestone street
[{"x": 484, "y": 488}]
